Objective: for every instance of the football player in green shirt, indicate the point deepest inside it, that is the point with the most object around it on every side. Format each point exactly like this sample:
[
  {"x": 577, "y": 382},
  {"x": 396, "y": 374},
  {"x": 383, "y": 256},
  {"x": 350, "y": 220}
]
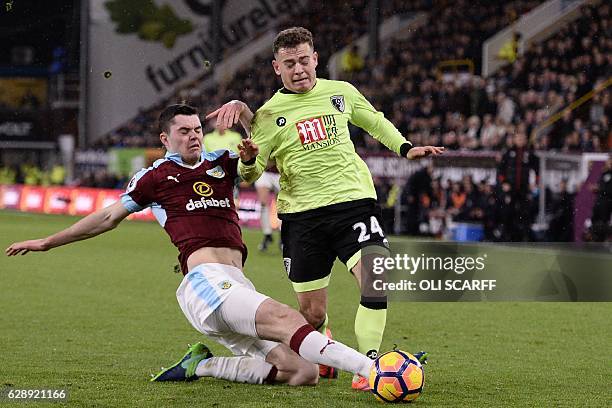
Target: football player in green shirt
[
  {"x": 327, "y": 200},
  {"x": 222, "y": 140}
]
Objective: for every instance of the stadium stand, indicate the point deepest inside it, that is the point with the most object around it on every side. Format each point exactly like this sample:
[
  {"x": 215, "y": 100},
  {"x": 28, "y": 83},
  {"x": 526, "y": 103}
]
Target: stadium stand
[
  {"x": 462, "y": 113},
  {"x": 487, "y": 113}
]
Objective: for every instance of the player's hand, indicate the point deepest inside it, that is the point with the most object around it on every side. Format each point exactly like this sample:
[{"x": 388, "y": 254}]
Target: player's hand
[
  {"x": 247, "y": 150},
  {"x": 424, "y": 151},
  {"x": 229, "y": 114},
  {"x": 22, "y": 248}
]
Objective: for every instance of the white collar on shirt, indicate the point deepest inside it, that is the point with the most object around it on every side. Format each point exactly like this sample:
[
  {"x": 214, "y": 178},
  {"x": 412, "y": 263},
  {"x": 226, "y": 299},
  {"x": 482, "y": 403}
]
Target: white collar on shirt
[{"x": 176, "y": 157}]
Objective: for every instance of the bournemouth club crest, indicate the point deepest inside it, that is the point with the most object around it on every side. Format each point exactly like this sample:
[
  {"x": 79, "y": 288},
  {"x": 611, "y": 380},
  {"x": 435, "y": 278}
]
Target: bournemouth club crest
[{"x": 338, "y": 102}]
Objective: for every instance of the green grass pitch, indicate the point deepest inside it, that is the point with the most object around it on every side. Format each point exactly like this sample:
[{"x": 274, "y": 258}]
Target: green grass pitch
[{"x": 99, "y": 316}]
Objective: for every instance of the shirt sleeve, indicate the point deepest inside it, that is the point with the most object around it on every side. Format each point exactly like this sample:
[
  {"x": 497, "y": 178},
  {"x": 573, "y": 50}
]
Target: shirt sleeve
[
  {"x": 369, "y": 119},
  {"x": 264, "y": 139},
  {"x": 139, "y": 192}
]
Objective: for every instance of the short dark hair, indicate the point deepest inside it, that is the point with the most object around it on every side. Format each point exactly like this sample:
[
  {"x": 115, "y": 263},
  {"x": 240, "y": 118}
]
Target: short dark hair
[
  {"x": 291, "y": 38},
  {"x": 166, "y": 116}
]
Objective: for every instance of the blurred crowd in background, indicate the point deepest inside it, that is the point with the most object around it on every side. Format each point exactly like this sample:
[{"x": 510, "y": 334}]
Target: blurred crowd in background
[{"x": 430, "y": 107}]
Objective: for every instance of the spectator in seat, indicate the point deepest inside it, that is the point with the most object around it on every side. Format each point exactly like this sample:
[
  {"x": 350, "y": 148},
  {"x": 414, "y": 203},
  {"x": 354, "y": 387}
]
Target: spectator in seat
[
  {"x": 561, "y": 225},
  {"x": 602, "y": 209},
  {"x": 352, "y": 61},
  {"x": 509, "y": 51}
]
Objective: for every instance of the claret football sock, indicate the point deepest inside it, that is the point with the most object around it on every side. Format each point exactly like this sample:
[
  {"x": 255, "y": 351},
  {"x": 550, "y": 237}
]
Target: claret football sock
[
  {"x": 319, "y": 349},
  {"x": 238, "y": 369}
]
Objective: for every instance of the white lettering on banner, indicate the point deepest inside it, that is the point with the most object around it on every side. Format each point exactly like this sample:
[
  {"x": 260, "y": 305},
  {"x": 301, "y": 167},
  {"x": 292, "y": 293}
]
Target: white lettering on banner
[
  {"x": 480, "y": 166},
  {"x": 84, "y": 203},
  {"x": 396, "y": 167},
  {"x": 236, "y": 32},
  {"x": 15, "y": 128},
  {"x": 58, "y": 201},
  {"x": 248, "y": 215},
  {"x": 250, "y": 209},
  {"x": 108, "y": 201},
  {"x": 34, "y": 200},
  {"x": 11, "y": 198},
  {"x": 151, "y": 61},
  {"x": 91, "y": 158}
]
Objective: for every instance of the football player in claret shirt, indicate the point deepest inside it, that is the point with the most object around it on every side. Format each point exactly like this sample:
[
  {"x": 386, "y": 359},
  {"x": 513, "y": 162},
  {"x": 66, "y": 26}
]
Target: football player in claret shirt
[
  {"x": 190, "y": 193},
  {"x": 327, "y": 201}
]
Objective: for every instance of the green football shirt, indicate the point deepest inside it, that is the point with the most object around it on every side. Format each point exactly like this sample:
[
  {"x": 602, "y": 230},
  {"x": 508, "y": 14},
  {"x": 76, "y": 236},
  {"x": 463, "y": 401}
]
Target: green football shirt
[
  {"x": 216, "y": 141},
  {"x": 307, "y": 135}
]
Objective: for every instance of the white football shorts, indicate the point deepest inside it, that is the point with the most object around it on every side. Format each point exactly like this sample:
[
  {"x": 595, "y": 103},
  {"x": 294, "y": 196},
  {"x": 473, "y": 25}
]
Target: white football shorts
[
  {"x": 269, "y": 180},
  {"x": 220, "y": 302}
]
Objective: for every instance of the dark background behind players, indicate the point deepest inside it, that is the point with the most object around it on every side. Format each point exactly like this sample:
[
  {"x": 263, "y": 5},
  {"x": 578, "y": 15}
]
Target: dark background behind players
[{"x": 482, "y": 114}]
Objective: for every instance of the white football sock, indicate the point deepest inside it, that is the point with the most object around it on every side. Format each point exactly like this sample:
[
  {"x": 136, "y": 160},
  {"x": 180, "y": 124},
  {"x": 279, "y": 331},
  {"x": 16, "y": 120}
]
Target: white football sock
[
  {"x": 241, "y": 369},
  {"x": 319, "y": 349},
  {"x": 266, "y": 228}
]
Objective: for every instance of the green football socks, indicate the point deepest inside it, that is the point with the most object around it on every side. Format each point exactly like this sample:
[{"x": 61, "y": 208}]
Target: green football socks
[
  {"x": 323, "y": 326},
  {"x": 369, "y": 329}
]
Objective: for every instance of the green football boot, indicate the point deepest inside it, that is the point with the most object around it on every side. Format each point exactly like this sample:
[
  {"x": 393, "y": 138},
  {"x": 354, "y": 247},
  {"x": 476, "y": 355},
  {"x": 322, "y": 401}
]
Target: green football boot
[
  {"x": 184, "y": 369},
  {"x": 422, "y": 356}
]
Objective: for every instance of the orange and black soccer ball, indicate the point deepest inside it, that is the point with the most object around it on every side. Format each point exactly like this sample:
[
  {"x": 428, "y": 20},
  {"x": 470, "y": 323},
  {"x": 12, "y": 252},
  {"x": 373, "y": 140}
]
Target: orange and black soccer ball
[{"x": 397, "y": 376}]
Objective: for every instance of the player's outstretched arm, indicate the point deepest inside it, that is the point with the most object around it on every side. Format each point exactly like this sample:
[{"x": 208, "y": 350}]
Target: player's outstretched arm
[
  {"x": 365, "y": 116},
  {"x": 94, "y": 224},
  {"x": 424, "y": 151},
  {"x": 231, "y": 113}
]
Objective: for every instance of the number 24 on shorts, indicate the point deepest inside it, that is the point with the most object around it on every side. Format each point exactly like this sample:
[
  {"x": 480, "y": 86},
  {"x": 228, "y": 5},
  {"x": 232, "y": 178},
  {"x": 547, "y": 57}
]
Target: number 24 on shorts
[{"x": 363, "y": 229}]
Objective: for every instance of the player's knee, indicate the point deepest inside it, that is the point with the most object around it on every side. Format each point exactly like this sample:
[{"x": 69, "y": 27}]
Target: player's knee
[
  {"x": 314, "y": 313},
  {"x": 305, "y": 374},
  {"x": 309, "y": 374}
]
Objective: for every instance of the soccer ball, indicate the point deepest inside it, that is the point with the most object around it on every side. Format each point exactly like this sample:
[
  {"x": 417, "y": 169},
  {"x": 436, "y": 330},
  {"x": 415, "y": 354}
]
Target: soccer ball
[{"x": 397, "y": 376}]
